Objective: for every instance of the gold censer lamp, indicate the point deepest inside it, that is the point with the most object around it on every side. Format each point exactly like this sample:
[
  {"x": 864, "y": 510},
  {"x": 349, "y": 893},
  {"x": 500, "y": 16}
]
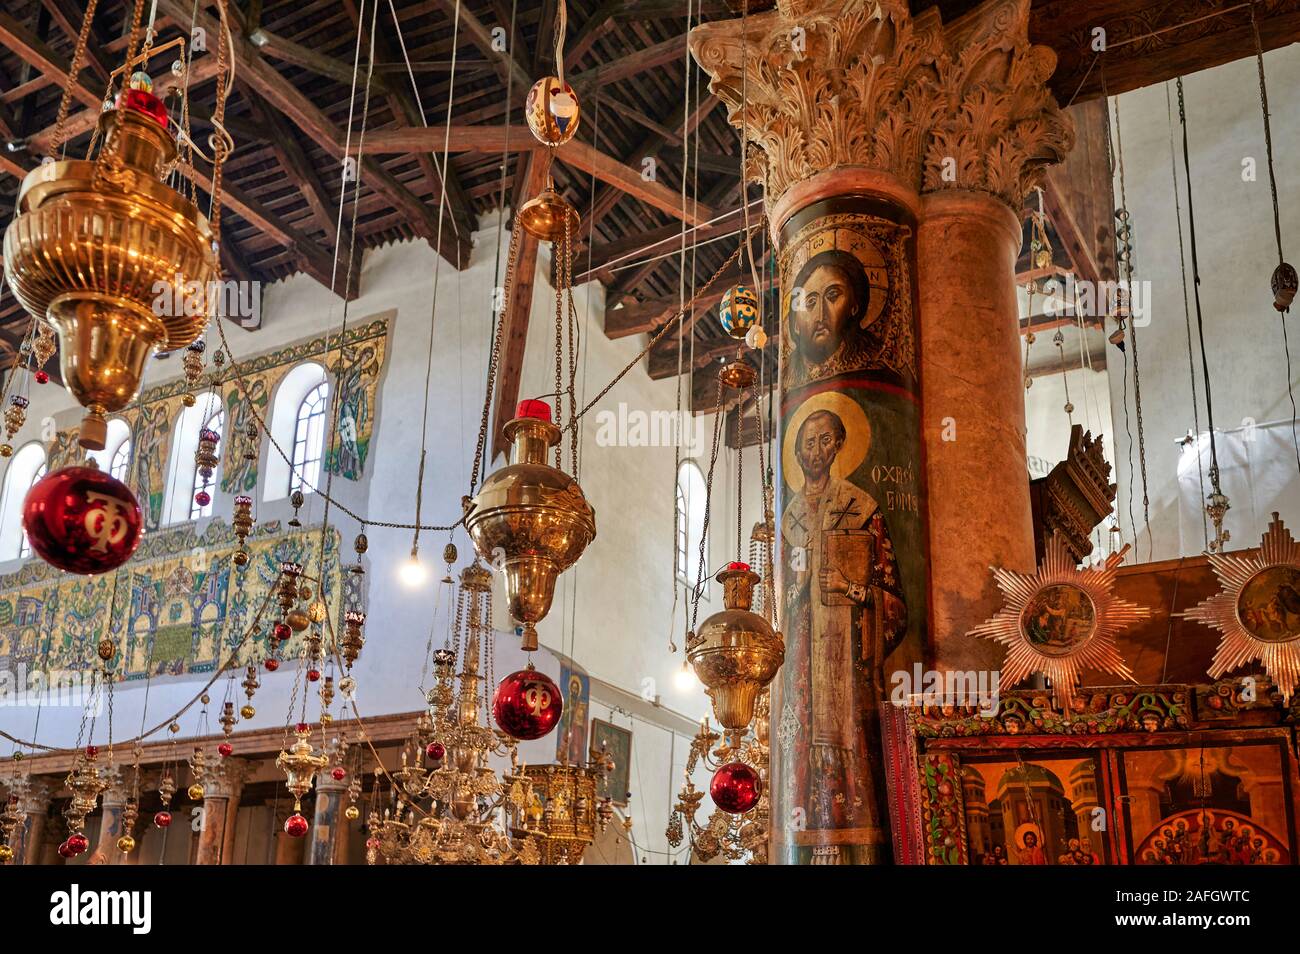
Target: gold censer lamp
[
  {"x": 531, "y": 518},
  {"x": 736, "y": 652},
  {"x": 93, "y": 242}
]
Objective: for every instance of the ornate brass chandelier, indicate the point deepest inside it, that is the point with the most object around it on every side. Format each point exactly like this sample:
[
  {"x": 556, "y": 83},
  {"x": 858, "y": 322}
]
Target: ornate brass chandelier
[
  {"x": 563, "y": 814},
  {"x": 730, "y": 834},
  {"x": 450, "y": 810}
]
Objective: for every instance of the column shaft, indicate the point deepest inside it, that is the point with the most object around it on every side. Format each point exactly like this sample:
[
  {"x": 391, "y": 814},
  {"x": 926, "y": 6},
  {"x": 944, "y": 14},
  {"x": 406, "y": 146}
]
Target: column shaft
[
  {"x": 212, "y": 832},
  {"x": 974, "y": 417},
  {"x": 851, "y": 508},
  {"x": 325, "y": 829}
]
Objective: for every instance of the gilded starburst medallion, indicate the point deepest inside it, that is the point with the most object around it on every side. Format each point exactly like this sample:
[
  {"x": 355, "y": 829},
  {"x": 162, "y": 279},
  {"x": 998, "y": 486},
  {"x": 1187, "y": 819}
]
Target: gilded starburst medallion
[
  {"x": 1257, "y": 609},
  {"x": 1061, "y": 619}
]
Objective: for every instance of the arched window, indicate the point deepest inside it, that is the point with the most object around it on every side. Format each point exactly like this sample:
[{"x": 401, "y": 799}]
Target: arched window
[
  {"x": 25, "y": 468},
  {"x": 298, "y": 422},
  {"x": 116, "y": 455},
  {"x": 206, "y": 485},
  {"x": 25, "y": 550},
  {"x": 691, "y": 494},
  {"x": 121, "y": 460},
  {"x": 183, "y": 479},
  {"x": 309, "y": 439}
]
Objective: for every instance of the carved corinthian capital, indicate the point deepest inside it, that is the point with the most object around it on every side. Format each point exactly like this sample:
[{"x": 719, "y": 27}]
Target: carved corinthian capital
[{"x": 823, "y": 84}]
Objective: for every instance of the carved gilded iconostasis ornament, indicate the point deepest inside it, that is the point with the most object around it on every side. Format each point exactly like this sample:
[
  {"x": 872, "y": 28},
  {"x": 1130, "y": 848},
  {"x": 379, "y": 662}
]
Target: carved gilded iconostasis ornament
[
  {"x": 1060, "y": 620},
  {"x": 1257, "y": 609}
]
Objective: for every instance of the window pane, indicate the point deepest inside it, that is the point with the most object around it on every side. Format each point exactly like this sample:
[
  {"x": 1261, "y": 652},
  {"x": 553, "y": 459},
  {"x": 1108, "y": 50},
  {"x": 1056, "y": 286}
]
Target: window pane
[
  {"x": 25, "y": 549},
  {"x": 309, "y": 440},
  {"x": 215, "y": 423},
  {"x": 121, "y": 460}
]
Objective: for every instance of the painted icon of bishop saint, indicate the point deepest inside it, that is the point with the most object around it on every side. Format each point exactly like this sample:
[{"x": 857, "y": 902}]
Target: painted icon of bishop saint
[{"x": 846, "y": 613}]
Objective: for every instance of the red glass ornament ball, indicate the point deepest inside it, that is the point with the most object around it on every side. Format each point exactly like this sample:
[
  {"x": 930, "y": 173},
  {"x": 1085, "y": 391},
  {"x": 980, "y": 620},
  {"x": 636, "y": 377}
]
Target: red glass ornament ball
[
  {"x": 281, "y": 631},
  {"x": 736, "y": 788},
  {"x": 295, "y": 826},
  {"x": 203, "y": 498},
  {"x": 82, "y": 520},
  {"x": 224, "y": 749},
  {"x": 162, "y": 819},
  {"x": 272, "y": 665},
  {"x": 527, "y": 704},
  {"x": 41, "y": 377},
  {"x": 313, "y": 675},
  {"x": 436, "y": 751},
  {"x": 75, "y": 845},
  {"x": 339, "y": 773}
]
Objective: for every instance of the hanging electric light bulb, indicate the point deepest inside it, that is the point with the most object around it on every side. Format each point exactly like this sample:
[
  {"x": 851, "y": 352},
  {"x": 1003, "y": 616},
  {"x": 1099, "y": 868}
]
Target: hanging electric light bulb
[
  {"x": 412, "y": 572},
  {"x": 685, "y": 679}
]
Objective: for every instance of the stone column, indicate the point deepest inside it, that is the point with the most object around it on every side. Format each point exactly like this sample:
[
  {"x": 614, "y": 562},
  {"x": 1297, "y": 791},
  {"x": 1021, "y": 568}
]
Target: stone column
[
  {"x": 34, "y": 803},
  {"x": 288, "y": 851},
  {"x": 113, "y": 803},
  {"x": 328, "y": 827},
  {"x": 877, "y": 134},
  {"x": 221, "y": 790}
]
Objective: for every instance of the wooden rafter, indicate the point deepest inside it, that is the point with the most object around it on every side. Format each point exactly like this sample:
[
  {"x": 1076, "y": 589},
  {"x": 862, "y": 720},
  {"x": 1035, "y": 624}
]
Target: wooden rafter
[
  {"x": 266, "y": 81},
  {"x": 515, "y": 341},
  {"x": 37, "y": 54}
]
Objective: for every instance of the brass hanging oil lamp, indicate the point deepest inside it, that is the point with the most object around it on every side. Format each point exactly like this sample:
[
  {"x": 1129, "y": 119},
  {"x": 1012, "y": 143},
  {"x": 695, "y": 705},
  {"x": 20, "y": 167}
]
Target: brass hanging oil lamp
[
  {"x": 93, "y": 242},
  {"x": 531, "y": 518}
]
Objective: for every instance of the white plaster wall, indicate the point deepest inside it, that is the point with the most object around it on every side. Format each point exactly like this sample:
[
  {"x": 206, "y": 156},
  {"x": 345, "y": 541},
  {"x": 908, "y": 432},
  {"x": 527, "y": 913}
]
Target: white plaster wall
[{"x": 1243, "y": 334}]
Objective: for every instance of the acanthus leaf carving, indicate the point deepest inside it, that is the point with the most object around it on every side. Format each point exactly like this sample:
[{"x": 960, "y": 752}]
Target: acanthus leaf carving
[{"x": 819, "y": 84}]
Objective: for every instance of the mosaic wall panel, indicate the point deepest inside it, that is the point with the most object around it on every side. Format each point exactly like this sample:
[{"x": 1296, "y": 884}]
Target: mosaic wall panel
[{"x": 177, "y": 609}]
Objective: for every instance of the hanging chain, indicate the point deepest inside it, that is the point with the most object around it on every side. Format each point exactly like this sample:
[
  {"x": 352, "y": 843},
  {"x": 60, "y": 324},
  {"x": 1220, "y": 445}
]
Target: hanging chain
[
  {"x": 698, "y": 590},
  {"x": 1268, "y": 129},
  {"x": 1132, "y": 325},
  {"x": 1217, "y": 503},
  {"x": 494, "y": 358},
  {"x": 78, "y": 60},
  {"x": 1187, "y": 308}
]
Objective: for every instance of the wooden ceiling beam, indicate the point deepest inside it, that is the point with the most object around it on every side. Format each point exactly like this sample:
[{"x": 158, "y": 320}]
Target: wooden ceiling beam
[
  {"x": 648, "y": 58},
  {"x": 645, "y": 317},
  {"x": 402, "y": 102},
  {"x": 293, "y": 160},
  {"x": 311, "y": 258},
  {"x": 265, "y": 80},
  {"x": 579, "y": 155},
  {"x": 516, "y": 316},
  {"x": 575, "y": 154},
  {"x": 507, "y": 65},
  {"x": 69, "y": 20},
  {"x": 33, "y": 51},
  {"x": 599, "y": 24},
  {"x": 276, "y": 47}
]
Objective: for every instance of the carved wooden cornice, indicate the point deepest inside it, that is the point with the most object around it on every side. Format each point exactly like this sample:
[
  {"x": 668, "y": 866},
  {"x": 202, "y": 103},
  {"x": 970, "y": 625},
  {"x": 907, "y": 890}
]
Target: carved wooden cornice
[{"x": 823, "y": 84}]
